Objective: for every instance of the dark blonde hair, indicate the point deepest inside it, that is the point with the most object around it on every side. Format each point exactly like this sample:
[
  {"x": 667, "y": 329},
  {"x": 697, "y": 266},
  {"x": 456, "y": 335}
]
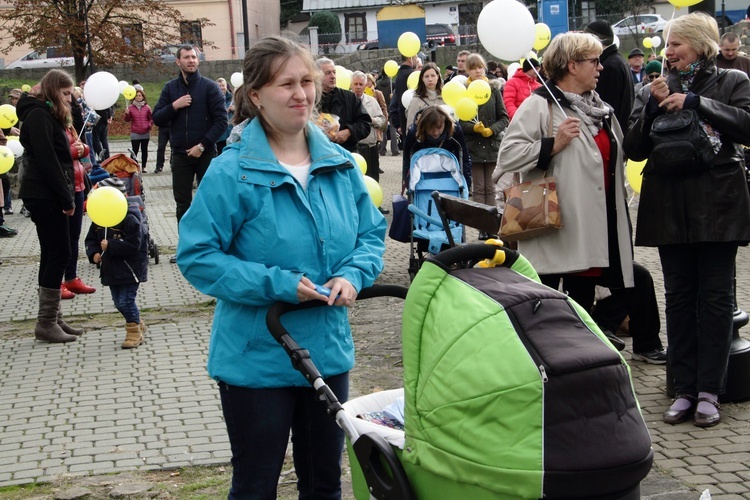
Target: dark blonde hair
[
  {"x": 421, "y": 90},
  {"x": 567, "y": 47},
  {"x": 699, "y": 31},
  {"x": 431, "y": 117},
  {"x": 50, "y": 90},
  {"x": 261, "y": 65},
  {"x": 475, "y": 61},
  {"x": 143, "y": 93}
]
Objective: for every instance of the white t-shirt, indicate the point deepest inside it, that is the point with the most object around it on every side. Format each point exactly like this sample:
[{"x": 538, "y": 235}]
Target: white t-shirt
[{"x": 300, "y": 172}]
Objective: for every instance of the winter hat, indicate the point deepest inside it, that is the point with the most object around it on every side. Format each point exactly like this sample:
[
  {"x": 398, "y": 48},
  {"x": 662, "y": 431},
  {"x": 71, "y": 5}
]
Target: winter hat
[
  {"x": 115, "y": 183},
  {"x": 635, "y": 52},
  {"x": 602, "y": 30},
  {"x": 653, "y": 67},
  {"x": 527, "y": 64}
]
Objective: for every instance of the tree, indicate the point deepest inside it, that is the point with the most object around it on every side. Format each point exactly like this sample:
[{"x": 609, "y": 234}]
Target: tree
[
  {"x": 118, "y": 31},
  {"x": 289, "y": 9},
  {"x": 329, "y": 29}
]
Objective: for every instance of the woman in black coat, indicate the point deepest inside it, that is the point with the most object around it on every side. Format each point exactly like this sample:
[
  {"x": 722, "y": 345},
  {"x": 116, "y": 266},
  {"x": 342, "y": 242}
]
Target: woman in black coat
[
  {"x": 48, "y": 192},
  {"x": 696, "y": 218}
]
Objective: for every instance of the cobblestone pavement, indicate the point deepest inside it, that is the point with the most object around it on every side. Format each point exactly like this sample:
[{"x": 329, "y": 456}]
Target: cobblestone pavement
[{"x": 89, "y": 407}]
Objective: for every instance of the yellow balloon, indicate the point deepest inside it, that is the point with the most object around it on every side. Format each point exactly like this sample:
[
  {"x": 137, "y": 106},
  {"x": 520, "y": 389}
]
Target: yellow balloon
[
  {"x": 413, "y": 80},
  {"x": 7, "y": 158},
  {"x": 107, "y": 206},
  {"x": 8, "y": 116},
  {"x": 647, "y": 43},
  {"x": 453, "y": 92},
  {"x": 466, "y": 109},
  {"x": 25, "y": 87},
  {"x": 343, "y": 79},
  {"x": 390, "y": 68},
  {"x": 633, "y": 174},
  {"x": 361, "y": 162},
  {"x": 662, "y": 52},
  {"x": 684, "y": 3},
  {"x": 479, "y": 91},
  {"x": 129, "y": 92},
  {"x": 409, "y": 44},
  {"x": 542, "y": 35},
  {"x": 376, "y": 192}
]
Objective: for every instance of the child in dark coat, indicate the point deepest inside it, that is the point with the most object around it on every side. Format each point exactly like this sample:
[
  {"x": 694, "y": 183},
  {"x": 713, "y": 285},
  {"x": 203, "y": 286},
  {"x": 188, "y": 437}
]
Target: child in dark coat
[{"x": 122, "y": 251}]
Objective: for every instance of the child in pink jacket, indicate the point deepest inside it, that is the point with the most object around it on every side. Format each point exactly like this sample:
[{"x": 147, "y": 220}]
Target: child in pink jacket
[{"x": 139, "y": 116}]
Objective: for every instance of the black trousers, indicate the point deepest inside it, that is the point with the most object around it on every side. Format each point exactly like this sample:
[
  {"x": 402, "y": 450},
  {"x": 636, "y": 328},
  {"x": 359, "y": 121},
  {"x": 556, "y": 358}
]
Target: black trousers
[
  {"x": 699, "y": 286},
  {"x": 640, "y": 304},
  {"x": 161, "y": 148},
  {"x": 54, "y": 239},
  {"x": 185, "y": 170},
  {"x": 372, "y": 157}
]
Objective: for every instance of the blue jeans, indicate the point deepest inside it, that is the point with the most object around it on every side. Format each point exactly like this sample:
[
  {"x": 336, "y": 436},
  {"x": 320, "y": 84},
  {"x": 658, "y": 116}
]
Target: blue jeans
[
  {"x": 124, "y": 298},
  {"x": 698, "y": 281},
  {"x": 258, "y": 423},
  {"x": 184, "y": 171}
]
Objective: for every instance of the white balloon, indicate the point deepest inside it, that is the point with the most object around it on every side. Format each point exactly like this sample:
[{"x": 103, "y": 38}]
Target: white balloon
[
  {"x": 506, "y": 29},
  {"x": 16, "y": 147},
  {"x": 406, "y": 97},
  {"x": 655, "y": 41},
  {"x": 512, "y": 68},
  {"x": 236, "y": 79},
  {"x": 122, "y": 84},
  {"x": 102, "y": 90},
  {"x": 462, "y": 79}
]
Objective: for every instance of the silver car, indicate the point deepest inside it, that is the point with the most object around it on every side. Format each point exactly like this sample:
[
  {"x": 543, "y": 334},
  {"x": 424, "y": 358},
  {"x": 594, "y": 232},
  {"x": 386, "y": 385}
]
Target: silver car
[
  {"x": 52, "y": 57},
  {"x": 642, "y": 24}
]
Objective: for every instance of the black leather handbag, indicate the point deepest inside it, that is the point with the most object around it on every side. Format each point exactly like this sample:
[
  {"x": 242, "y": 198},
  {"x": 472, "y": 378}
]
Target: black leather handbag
[{"x": 680, "y": 144}]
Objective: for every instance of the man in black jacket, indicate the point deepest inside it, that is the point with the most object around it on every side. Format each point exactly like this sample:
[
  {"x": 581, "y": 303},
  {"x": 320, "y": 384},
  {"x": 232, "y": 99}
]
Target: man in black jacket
[
  {"x": 615, "y": 85},
  {"x": 194, "y": 108},
  {"x": 354, "y": 121}
]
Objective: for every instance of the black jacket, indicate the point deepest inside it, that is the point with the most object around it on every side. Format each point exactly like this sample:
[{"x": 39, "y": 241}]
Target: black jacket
[
  {"x": 352, "y": 115},
  {"x": 396, "y": 110},
  {"x": 202, "y": 122},
  {"x": 615, "y": 85},
  {"x": 126, "y": 259},
  {"x": 712, "y": 205},
  {"x": 48, "y": 166}
]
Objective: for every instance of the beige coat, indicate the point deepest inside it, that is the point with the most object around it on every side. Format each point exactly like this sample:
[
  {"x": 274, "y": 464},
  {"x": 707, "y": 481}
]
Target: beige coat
[
  {"x": 417, "y": 104},
  {"x": 582, "y": 243},
  {"x": 378, "y": 119}
]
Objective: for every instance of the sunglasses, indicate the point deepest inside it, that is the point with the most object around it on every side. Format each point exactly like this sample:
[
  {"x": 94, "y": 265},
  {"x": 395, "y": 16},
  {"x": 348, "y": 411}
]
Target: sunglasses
[
  {"x": 594, "y": 60},
  {"x": 654, "y": 76}
]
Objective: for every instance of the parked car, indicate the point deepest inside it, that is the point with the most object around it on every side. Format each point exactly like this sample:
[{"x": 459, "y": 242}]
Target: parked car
[
  {"x": 369, "y": 46},
  {"x": 644, "y": 23},
  {"x": 441, "y": 33},
  {"x": 51, "y": 57},
  {"x": 168, "y": 53}
]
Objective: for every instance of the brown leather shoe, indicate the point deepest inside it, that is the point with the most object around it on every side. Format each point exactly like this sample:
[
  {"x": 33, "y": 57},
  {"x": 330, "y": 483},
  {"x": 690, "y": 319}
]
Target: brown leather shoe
[
  {"x": 679, "y": 416},
  {"x": 707, "y": 420}
]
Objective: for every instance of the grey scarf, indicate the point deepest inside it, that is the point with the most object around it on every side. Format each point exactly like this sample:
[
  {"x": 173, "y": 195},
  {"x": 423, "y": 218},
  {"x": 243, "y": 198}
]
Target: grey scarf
[{"x": 590, "y": 109}]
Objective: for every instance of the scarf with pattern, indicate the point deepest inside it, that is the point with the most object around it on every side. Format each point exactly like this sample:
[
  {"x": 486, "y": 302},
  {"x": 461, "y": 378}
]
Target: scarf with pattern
[
  {"x": 686, "y": 80},
  {"x": 590, "y": 109}
]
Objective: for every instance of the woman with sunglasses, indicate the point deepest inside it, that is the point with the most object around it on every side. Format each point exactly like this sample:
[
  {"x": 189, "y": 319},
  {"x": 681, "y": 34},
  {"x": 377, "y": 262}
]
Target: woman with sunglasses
[{"x": 578, "y": 141}]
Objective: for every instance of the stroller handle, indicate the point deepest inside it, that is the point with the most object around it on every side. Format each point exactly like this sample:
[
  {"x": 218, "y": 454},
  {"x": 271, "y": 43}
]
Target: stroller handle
[{"x": 491, "y": 252}]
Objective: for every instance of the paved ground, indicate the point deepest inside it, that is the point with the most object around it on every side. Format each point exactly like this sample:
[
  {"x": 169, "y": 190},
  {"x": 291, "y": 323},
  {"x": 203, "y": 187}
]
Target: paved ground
[{"x": 89, "y": 407}]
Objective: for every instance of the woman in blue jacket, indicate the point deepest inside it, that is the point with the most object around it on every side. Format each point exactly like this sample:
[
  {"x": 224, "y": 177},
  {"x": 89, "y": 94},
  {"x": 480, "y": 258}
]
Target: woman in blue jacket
[{"x": 282, "y": 209}]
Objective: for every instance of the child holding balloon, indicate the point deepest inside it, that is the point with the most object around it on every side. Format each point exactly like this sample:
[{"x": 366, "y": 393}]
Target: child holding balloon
[
  {"x": 122, "y": 251},
  {"x": 139, "y": 116}
]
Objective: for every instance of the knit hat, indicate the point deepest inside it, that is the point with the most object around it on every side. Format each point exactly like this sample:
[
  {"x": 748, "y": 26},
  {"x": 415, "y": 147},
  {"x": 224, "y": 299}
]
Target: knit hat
[
  {"x": 653, "y": 67},
  {"x": 635, "y": 52},
  {"x": 16, "y": 93},
  {"x": 602, "y": 30},
  {"x": 527, "y": 64},
  {"x": 115, "y": 183}
]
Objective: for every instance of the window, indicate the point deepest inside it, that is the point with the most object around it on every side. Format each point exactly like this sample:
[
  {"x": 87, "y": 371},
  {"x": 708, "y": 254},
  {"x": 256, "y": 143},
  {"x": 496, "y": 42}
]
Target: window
[
  {"x": 133, "y": 35},
  {"x": 191, "y": 33},
  {"x": 355, "y": 27}
]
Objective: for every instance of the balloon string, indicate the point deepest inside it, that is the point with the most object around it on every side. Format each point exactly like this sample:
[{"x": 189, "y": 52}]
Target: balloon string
[
  {"x": 105, "y": 237},
  {"x": 91, "y": 112},
  {"x": 666, "y": 40},
  {"x": 549, "y": 90}
]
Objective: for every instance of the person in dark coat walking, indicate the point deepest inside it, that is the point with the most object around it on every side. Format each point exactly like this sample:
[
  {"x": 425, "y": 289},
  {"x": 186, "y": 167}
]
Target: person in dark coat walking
[
  {"x": 396, "y": 109},
  {"x": 697, "y": 219},
  {"x": 615, "y": 85}
]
